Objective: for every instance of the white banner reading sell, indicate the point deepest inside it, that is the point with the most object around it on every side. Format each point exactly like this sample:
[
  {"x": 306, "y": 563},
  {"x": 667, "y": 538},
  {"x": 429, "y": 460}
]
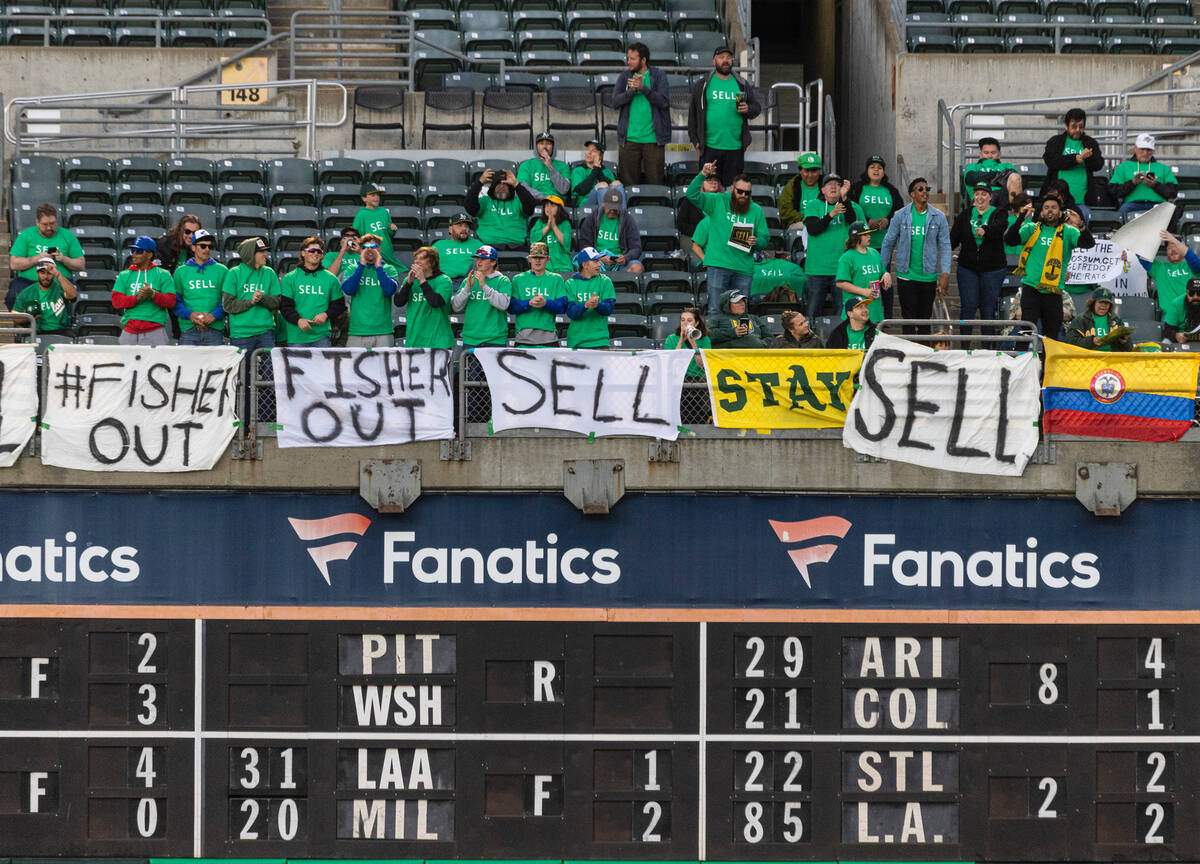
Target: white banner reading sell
[
  {"x": 138, "y": 408},
  {"x": 1099, "y": 264},
  {"x": 974, "y": 413},
  {"x": 18, "y": 400},
  {"x": 590, "y": 392},
  {"x": 355, "y": 397}
]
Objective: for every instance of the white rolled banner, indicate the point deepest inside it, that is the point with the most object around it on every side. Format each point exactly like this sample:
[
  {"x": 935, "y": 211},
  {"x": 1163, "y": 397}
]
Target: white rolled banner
[{"x": 18, "y": 400}]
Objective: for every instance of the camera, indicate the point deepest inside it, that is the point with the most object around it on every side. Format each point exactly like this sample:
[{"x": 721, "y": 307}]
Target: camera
[{"x": 51, "y": 250}]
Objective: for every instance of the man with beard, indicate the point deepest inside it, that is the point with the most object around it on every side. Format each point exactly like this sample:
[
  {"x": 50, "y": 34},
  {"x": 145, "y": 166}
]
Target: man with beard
[
  {"x": 722, "y": 106},
  {"x": 542, "y": 174},
  {"x": 1072, "y": 158},
  {"x": 43, "y": 239},
  {"x": 502, "y": 211},
  {"x": 46, "y": 300},
  {"x": 643, "y": 98},
  {"x": 1171, "y": 276},
  {"x": 1181, "y": 322},
  {"x": 856, "y": 330},
  {"x": 733, "y": 218},
  {"x": 827, "y": 218},
  {"x": 456, "y": 253},
  {"x": 1046, "y": 250}
]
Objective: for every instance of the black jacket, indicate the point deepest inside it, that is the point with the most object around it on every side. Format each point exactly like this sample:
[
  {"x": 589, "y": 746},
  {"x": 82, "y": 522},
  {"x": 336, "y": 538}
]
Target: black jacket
[
  {"x": 856, "y": 192},
  {"x": 696, "y": 111},
  {"x": 471, "y": 204},
  {"x": 1057, "y": 161},
  {"x": 988, "y": 255},
  {"x": 1120, "y": 191},
  {"x": 838, "y": 338}
]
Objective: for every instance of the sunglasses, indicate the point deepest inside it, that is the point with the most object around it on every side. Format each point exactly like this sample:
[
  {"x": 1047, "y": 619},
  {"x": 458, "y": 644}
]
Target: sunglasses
[
  {"x": 370, "y": 245},
  {"x": 920, "y": 189},
  {"x": 314, "y": 249},
  {"x": 204, "y": 245},
  {"x": 738, "y": 191}
]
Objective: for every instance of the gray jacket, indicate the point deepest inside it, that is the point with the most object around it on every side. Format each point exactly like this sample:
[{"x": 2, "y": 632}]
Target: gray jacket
[
  {"x": 935, "y": 257},
  {"x": 627, "y": 234},
  {"x": 659, "y": 97},
  {"x": 698, "y": 108}
]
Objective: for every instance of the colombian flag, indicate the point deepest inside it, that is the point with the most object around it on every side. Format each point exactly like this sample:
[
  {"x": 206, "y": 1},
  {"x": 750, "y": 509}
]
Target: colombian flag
[{"x": 1142, "y": 397}]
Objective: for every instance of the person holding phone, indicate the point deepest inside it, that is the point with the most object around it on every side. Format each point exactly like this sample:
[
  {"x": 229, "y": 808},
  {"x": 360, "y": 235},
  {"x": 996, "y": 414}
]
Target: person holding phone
[
  {"x": 734, "y": 326},
  {"x": 1141, "y": 181},
  {"x": 722, "y": 106}
]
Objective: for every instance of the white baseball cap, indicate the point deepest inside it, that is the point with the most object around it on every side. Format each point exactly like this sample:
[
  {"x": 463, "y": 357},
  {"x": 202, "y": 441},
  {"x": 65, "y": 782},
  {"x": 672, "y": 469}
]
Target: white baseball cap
[{"x": 1145, "y": 140}]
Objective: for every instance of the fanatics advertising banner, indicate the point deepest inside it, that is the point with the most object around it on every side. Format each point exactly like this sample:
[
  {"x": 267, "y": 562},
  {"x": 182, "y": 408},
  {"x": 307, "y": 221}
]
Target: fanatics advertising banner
[
  {"x": 592, "y": 392},
  {"x": 960, "y": 411},
  {"x": 18, "y": 400},
  {"x": 362, "y": 397},
  {"x": 143, "y": 408},
  {"x": 755, "y": 389}
]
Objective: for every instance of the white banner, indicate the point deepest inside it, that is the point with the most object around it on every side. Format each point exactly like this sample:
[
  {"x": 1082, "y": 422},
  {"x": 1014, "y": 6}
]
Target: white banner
[
  {"x": 138, "y": 408},
  {"x": 1132, "y": 283},
  {"x": 1140, "y": 236},
  {"x": 18, "y": 400},
  {"x": 975, "y": 413},
  {"x": 1099, "y": 264},
  {"x": 590, "y": 392},
  {"x": 359, "y": 397}
]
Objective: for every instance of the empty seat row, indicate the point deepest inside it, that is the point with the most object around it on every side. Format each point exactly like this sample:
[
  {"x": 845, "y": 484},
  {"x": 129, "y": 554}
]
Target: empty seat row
[
  {"x": 1053, "y": 7},
  {"x": 102, "y": 35},
  {"x": 687, "y": 21},
  {"x": 564, "y": 6},
  {"x": 1037, "y": 44},
  {"x": 135, "y": 11},
  {"x": 1017, "y": 24}
]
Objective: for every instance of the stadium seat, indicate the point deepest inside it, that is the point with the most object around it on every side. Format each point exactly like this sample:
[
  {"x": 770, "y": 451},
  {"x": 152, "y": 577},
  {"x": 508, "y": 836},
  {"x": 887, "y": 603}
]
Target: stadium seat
[
  {"x": 241, "y": 170},
  {"x": 1008, "y": 21},
  {"x": 1105, "y": 220},
  {"x": 339, "y": 195},
  {"x": 1115, "y": 7},
  {"x": 542, "y": 40},
  {"x": 697, "y": 20},
  {"x": 403, "y": 194},
  {"x": 604, "y": 58},
  {"x": 190, "y": 170},
  {"x": 1154, "y": 8},
  {"x": 190, "y": 193},
  {"x": 523, "y": 81},
  {"x": 644, "y": 19},
  {"x": 98, "y": 324},
  {"x": 628, "y": 303},
  {"x": 1067, "y": 7},
  {"x": 341, "y": 171},
  {"x": 89, "y": 214},
  {"x": 1107, "y": 26},
  {"x": 649, "y": 195},
  {"x": 138, "y": 37},
  {"x": 94, "y": 168},
  {"x": 1030, "y": 43},
  {"x": 244, "y": 35},
  {"x": 545, "y": 58},
  {"x": 484, "y": 19},
  {"x": 427, "y": 59},
  {"x": 662, "y": 45},
  {"x": 294, "y": 216},
  {"x": 96, "y": 237},
  {"x": 139, "y": 193},
  {"x": 193, "y": 37},
  {"x": 1082, "y": 44},
  {"x": 1177, "y": 45},
  {"x": 290, "y": 181},
  {"x": 1187, "y": 176},
  {"x": 572, "y": 109},
  {"x": 515, "y": 108},
  {"x": 489, "y": 40},
  {"x": 489, "y": 60},
  {"x": 581, "y": 5},
  {"x": 656, "y": 225},
  {"x": 235, "y": 193},
  {"x": 923, "y": 43},
  {"x": 30, "y": 34},
  {"x": 434, "y": 19},
  {"x": 86, "y": 191},
  {"x": 378, "y": 99},
  {"x": 1122, "y": 44},
  {"x": 598, "y": 40},
  {"x": 448, "y": 102},
  {"x": 204, "y": 212},
  {"x": 392, "y": 170},
  {"x": 576, "y": 80},
  {"x": 243, "y": 217},
  {"x": 144, "y": 217},
  {"x": 1018, "y": 7},
  {"x": 93, "y": 36},
  {"x": 624, "y": 326},
  {"x": 335, "y": 217},
  {"x": 442, "y": 173}
]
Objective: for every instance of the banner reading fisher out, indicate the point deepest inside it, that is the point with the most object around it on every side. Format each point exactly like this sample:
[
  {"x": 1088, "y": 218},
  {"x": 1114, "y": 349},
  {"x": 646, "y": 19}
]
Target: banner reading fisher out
[
  {"x": 18, "y": 400},
  {"x": 591, "y": 392},
  {"x": 960, "y": 411},
  {"x": 358, "y": 397},
  {"x": 143, "y": 408},
  {"x": 808, "y": 389}
]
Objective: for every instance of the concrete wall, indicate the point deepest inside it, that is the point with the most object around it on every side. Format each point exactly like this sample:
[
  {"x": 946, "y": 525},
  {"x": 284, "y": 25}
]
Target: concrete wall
[{"x": 868, "y": 44}]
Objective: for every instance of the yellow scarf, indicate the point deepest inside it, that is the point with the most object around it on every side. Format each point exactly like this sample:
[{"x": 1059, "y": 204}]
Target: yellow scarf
[{"x": 1052, "y": 267}]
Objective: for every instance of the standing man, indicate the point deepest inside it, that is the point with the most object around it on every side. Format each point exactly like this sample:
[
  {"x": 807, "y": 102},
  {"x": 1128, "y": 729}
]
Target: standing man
[
  {"x": 144, "y": 293},
  {"x": 920, "y": 237},
  {"x": 1072, "y": 157},
  {"x": 250, "y": 297},
  {"x": 737, "y": 227},
  {"x": 502, "y": 211},
  {"x": 722, "y": 106},
  {"x": 613, "y": 231},
  {"x": 827, "y": 219},
  {"x": 372, "y": 218},
  {"x": 542, "y": 174},
  {"x": 310, "y": 297},
  {"x": 1141, "y": 181},
  {"x": 537, "y": 296},
  {"x": 43, "y": 239},
  {"x": 643, "y": 98},
  {"x": 370, "y": 287},
  {"x": 456, "y": 253},
  {"x": 485, "y": 295},
  {"x": 198, "y": 284},
  {"x": 47, "y": 300},
  {"x": 805, "y": 186}
]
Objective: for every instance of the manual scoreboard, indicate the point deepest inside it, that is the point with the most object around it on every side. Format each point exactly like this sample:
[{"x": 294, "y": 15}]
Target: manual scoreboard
[{"x": 584, "y": 740}]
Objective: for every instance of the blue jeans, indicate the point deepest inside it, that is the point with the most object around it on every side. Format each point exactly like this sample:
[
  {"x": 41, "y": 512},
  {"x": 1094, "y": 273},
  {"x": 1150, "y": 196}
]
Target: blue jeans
[
  {"x": 720, "y": 280},
  {"x": 979, "y": 294},
  {"x": 196, "y": 336},
  {"x": 266, "y": 405},
  {"x": 593, "y": 198},
  {"x": 1135, "y": 207},
  {"x": 818, "y": 287}
]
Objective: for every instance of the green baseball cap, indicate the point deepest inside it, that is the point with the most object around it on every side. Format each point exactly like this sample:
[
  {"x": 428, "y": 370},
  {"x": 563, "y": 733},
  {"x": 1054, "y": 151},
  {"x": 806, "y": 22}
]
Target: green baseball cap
[{"x": 809, "y": 160}]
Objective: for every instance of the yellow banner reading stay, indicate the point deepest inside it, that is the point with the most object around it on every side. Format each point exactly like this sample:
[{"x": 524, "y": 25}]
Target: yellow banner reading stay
[{"x": 769, "y": 389}]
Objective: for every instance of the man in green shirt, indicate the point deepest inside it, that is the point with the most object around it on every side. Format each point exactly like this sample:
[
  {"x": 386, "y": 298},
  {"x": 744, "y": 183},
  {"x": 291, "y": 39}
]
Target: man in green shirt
[
  {"x": 1181, "y": 320},
  {"x": 370, "y": 287},
  {"x": 990, "y": 169},
  {"x": 537, "y": 296},
  {"x": 250, "y": 296},
  {"x": 42, "y": 239},
  {"x": 502, "y": 211},
  {"x": 737, "y": 227},
  {"x": 827, "y": 219},
  {"x": 776, "y": 271},
  {"x": 542, "y": 174},
  {"x": 642, "y": 97},
  {"x": 590, "y": 300},
  {"x": 346, "y": 254},
  {"x": 1072, "y": 157},
  {"x": 919, "y": 235},
  {"x": 591, "y": 180},
  {"x": 614, "y": 232},
  {"x": 719, "y": 115},
  {"x": 372, "y": 218},
  {"x": 805, "y": 186},
  {"x": 485, "y": 295},
  {"x": 47, "y": 299},
  {"x": 310, "y": 297},
  {"x": 456, "y": 253},
  {"x": 1171, "y": 277},
  {"x": 198, "y": 284},
  {"x": 1141, "y": 181},
  {"x": 144, "y": 293}
]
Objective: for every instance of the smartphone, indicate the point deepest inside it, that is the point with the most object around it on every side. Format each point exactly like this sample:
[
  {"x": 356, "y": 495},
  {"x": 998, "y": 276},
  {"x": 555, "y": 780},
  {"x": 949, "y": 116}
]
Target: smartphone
[
  {"x": 744, "y": 321},
  {"x": 739, "y": 97}
]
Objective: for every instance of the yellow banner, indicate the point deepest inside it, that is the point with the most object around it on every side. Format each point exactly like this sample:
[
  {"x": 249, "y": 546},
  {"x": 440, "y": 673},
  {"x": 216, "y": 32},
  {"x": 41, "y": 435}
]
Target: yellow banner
[
  {"x": 770, "y": 389},
  {"x": 1161, "y": 373}
]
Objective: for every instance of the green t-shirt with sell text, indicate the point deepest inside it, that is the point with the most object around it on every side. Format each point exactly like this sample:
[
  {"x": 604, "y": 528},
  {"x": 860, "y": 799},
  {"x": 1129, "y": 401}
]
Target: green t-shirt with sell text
[
  {"x": 349, "y": 262},
  {"x": 826, "y": 248},
  {"x": 455, "y": 258},
  {"x": 375, "y": 220},
  {"x": 608, "y": 236},
  {"x": 1100, "y": 322},
  {"x": 1037, "y": 255},
  {"x": 857, "y": 338},
  {"x": 370, "y": 310},
  {"x": 533, "y": 173},
  {"x": 1127, "y": 170},
  {"x": 876, "y": 203},
  {"x": 129, "y": 282},
  {"x": 31, "y": 242},
  {"x": 775, "y": 272},
  {"x": 1075, "y": 178},
  {"x": 641, "y": 119},
  {"x": 428, "y": 326},
  {"x": 1170, "y": 282},
  {"x": 861, "y": 269},
  {"x": 241, "y": 282},
  {"x": 916, "y": 250},
  {"x": 590, "y": 330},
  {"x": 500, "y": 222},
  {"x": 984, "y": 171},
  {"x": 49, "y": 306},
  {"x": 312, "y": 294},
  {"x": 722, "y": 223},
  {"x": 483, "y": 323},
  {"x": 578, "y": 175},
  {"x": 200, "y": 290},
  {"x": 722, "y": 122},
  {"x": 526, "y": 286}
]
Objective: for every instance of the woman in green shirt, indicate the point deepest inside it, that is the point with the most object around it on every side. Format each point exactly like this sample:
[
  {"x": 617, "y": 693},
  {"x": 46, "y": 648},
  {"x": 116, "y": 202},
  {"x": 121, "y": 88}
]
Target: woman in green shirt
[
  {"x": 860, "y": 270},
  {"x": 424, "y": 295},
  {"x": 554, "y": 229},
  {"x": 877, "y": 197},
  {"x": 692, "y": 335}
]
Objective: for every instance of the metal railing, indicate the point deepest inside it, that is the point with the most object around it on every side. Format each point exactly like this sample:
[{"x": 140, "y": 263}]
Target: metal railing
[
  {"x": 161, "y": 25},
  {"x": 1007, "y": 335},
  {"x": 354, "y": 47}
]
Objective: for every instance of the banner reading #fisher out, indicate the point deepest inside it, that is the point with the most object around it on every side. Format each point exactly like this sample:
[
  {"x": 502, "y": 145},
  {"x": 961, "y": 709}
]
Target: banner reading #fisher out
[{"x": 808, "y": 389}]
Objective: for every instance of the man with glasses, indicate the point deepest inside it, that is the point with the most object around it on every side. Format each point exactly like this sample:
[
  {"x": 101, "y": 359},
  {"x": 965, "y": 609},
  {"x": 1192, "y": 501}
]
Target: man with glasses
[
  {"x": 1181, "y": 321},
  {"x": 198, "y": 284},
  {"x": 919, "y": 235},
  {"x": 47, "y": 299},
  {"x": 370, "y": 287},
  {"x": 537, "y": 296},
  {"x": 737, "y": 227},
  {"x": 43, "y": 239},
  {"x": 175, "y": 247},
  {"x": 311, "y": 297},
  {"x": 346, "y": 254},
  {"x": 144, "y": 293}
]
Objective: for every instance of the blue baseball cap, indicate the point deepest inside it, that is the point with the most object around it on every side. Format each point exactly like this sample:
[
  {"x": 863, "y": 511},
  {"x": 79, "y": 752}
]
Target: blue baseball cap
[
  {"x": 587, "y": 253},
  {"x": 487, "y": 252},
  {"x": 144, "y": 244}
]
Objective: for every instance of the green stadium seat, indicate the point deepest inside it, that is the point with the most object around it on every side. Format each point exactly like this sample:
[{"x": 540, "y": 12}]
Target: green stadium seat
[
  {"x": 85, "y": 36},
  {"x": 975, "y": 24},
  {"x": 488, "y": 40},
  {"x": 144, "y": 217},
  {"x": 957, "y": 7},
  {"x": 339, "y": 195},
  {"x": 91, "y": 302},
  {"x": 477, "y": 81},
  {"x": 930, "y": 44},
  {"x": 192, "y": 37},
  {"x": 1115, "y": 25},
  {"x": 569, "y": 79},
  {"x": 542, "y": 40},
  {"x": 96, "y": 280},
  {"x": 435, "y": 19},
  {"x": 429, "y": 60},
  {"x": 489, "y": 60},
  {"x": 1105, "y": 220},
  {"x": 45, "y": 171},
  {"x": 240, "y": 170},
  {"x": 539, "y": 19},
  {"x": 601, "y": 40},
  {"x": 409, "y": 5},
  {"x": 239, "y": 192},
  {"x": 545, "y": 58},
  {"x": 491, "y": 18},
  {"x": 572, "y": 109},
  {"x": 459, "y": 107},
  {"x": 142, "y": 169},
  {"x": 139, "y": 192},
  {"x": 524, "y": 81},
  {"x": 88, "y": 191},
  {"x": 30, "y": 34},
  {"x": 1018, "y": 7},
  {"x": 393, "y": 170},
  {"x": 1082, "y": 45},
  {"x": 681, "y": 172},
  {"x": 1116, "y": 7},
  {"x": 1067, "y": 7},
  {"x": 96, "y": 237},
  {"x": 656, "y": 225},
  {"x": 649, "y": 195},
  {"x": 697, "y": 20},
  {"x": 645, "y": 19},
  {"x": 1154, "y": 8},
  {"x": 286, "y": 240},
  {"x": 341, "y": 170},
  {"x": 243, "y": 217},
  {"x": 190, "y": 193},
  {"x": 1180, "y": 26},
  {"x": 138, "y": 37},
  {"x": 386, "y": 99},
  {"x": 629, "y": 303},
  {"x": 642, "y": 5},
  {"x": 515, "y": 108},
  {"x": 1187, "y": 176},
  {"x": 403, "y": 194},
  {"x": 98, "y": 323},
  {"x": 520, "y": 6},
  {"x": 591, "y": 19},
  {"x": 699, "y": 42},
  {"x": 1130, "y": 45},
  {"x": 95, "y": 168},
  {"x": 337, "y": 217},
  {"x": 244, "y": 35},
  {"x": 609, "y": 58},
  {"x": 1006, "y": 22},
  {"x": 205, "y": 213},
  {"x": 661, "y": 45}
]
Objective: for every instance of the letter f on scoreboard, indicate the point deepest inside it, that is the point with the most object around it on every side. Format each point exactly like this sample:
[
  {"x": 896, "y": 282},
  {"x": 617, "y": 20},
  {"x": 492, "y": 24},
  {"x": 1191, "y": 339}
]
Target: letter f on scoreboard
[
  {"x": 322, "y": 529},
  {"x": 806, "y": 530}
]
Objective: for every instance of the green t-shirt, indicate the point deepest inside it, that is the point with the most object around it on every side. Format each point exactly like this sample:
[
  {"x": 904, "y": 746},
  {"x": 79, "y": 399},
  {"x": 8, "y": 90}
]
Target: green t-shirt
[
  {"x": 200, "y": 290},
  {"x": 533, "y": 173},
  {"x": 1100, "y": 322},
  {"x": 980, "y": 220},
  {"x": 560, "y": 253},
  {"x": 455, "y": 258},
  {"x": 1037, "y": 255},
  {"x": 1075, "y": 178},
  {"x": 525, "y": 286},
  {"x": 1170, "y": 282},
  {"x": 31, "y": 242},
  {"x": 370, "y": 310},
  {"x": 916, "y": 250},
  {"x": 861, "y": 269},
  {"x": 700, "y": 234},
  {"x": 429, "y": 326},
  {"x": 775, "y": 272},
  {"x": 876, "y": 203},
  {"x": 375, "y": 221},
  {"x": 808, "y": 193},
  {"x": 590, "y": 330},
  {"x": 717, "y": 251},
  {"x": 241, "y": 282},
  {"x": 857, "y": 338},
  {"x": 130, "y": 281},
  {"x": 608, "y": 236},
  {"x": 578, "y": 175},
  {"x": 722, "y": 122},
  {"x": 312, "y": 293},
  {"x": 984, "y": 171},
  {"x": 501, "y": 222},
  {"x": 483, "y": 323},
  {"x": 694, "y": 370},
  {"x": 1011, "y": 250},
  {"x": 49, "y": 306},
  {"x": 825, "y": 249},
  {"x": 349, "y": 262},
  {"x": 641, "y": 121},
  {"x": 1125, "y": 172}
]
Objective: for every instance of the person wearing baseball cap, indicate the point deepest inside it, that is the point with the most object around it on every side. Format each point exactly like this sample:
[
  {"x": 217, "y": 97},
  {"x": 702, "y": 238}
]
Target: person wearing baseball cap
[
  {"x": 803, "y": 187},
  {"x": 978, "y": 234},
  {"x": 485, "y": 295},
  {"x": 860, "y": 270},
  {"x": 503, "y": 211},
  {"x": 456, "y": 253},
  {"x": 856, "y": 330},
  {"x": 590, "y": 299},
  {"x": 591, "y": 180},
  {"x": 1099, "y": 328},
  {"x": 991, "y": 170},
  {"x": 919, "y": 235},
  {"x": 345, "y": 254},
  {"x": 144, "y": 293},
  {"x": 542, "y": 174},
  {"x": 370, "y": 287},
  {"x": 613, "y": 231},
  {"x": 642, "y": 97},
  {"x": 1141, "y": 181},
  {"x": 827, "y": 220},
  {"x": 553, "y": 228},
  {"x": 719, "y": 114},
  {"x": 373, "y": 218},
  {"x": 732, "y": 325},
  {"x": 43, "y": 238},
  {"x": 879, "y": 200},
  {"x": 198, "y": 284},
  {"x": 1181, "y": 319},
  {"x": 47, "y": 299},
  {"x": 736, "y": 227},
  {"x": 537, "y": 296}
]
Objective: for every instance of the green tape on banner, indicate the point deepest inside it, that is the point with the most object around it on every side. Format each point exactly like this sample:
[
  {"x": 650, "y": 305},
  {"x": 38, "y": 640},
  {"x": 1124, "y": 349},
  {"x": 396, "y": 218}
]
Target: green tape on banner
[
  {"x": 683, "y": 430},
  {"x": 43, "y": 425},
  {"x": 491, "y": 429},
  {"x": 591, "y": 439},
  {"x": 275, "y": 427},
  {"x": 49, "y": 347}
]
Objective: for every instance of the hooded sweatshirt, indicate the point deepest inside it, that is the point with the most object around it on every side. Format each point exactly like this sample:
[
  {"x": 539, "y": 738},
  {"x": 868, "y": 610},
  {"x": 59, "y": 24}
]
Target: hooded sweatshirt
[
  {"x": 198, "y": 289},
  {"x": 247, "y": 318},
  {"x": 142, "y": 316},
  {"x": 553, "y": 180},
  {"x": 720, "y": 328}
]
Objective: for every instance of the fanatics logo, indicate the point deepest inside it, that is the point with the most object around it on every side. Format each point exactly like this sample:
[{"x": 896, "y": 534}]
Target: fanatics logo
[
  {"x": 811, "y": 529},
  {"x": 330, "y": 526}
]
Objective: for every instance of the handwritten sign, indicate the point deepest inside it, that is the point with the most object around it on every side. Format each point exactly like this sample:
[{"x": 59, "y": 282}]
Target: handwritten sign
[
  {"x": 139, "y": 408},
  {"x": 1099, "y": 264},
  {"x": 18, "y": 400}
]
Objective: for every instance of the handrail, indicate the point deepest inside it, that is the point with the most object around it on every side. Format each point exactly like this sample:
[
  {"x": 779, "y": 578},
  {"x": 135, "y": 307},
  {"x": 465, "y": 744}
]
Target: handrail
[{"x": 944, "y": 114}]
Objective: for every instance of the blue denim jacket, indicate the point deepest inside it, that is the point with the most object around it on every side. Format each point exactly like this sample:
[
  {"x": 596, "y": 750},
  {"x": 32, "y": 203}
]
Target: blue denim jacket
[{"x": 936, "y": 255}]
